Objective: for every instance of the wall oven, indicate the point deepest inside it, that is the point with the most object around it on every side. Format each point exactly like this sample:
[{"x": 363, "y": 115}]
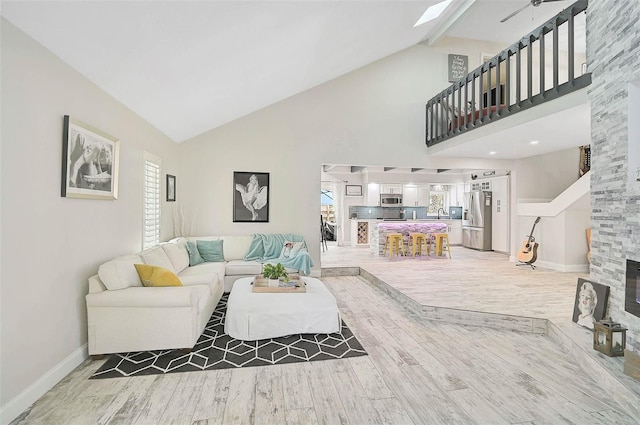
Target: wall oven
[{"x": 390, "y": 200}]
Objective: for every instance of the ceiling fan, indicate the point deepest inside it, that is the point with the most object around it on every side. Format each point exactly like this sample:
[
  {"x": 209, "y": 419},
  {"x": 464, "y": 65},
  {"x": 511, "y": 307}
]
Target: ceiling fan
[{"x": 534, "y": 3}]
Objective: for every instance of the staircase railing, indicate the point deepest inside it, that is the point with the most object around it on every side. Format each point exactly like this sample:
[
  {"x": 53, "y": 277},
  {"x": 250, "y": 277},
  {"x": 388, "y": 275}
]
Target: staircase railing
[{"x": 511, "y": 82}]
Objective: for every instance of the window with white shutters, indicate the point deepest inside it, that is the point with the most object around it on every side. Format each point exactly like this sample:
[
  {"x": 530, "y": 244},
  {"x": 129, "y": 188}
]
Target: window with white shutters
[{"x": 151, "y": 232}]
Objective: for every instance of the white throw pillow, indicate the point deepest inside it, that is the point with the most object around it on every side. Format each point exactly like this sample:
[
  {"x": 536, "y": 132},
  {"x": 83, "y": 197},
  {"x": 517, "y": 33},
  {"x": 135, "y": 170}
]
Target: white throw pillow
[
  {"x": 178, "y": 256},
  {"x": 236, "y": 247},
  {"x": 120, "y": 273},
  {"x": 290, "y": 249},
  {"x": 156, "y": 257}
]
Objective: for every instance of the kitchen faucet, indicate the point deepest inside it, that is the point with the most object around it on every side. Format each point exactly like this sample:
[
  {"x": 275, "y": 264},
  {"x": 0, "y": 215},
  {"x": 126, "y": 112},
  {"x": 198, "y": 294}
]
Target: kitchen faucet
[{"x": 443, "y": 212}]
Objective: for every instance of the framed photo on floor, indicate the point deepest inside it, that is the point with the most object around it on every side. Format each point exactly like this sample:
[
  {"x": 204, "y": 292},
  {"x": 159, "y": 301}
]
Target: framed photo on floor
[
  {"x": 591, "y": 302},
  {"x": 171, "y": 188},
  {"x": 250, "y": 197},
  {"x": 90, "y": 161}
]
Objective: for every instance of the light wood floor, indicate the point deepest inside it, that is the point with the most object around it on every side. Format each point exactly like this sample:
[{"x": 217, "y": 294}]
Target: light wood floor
[
  {"x": 417, "y": 372},
  {"x": 470, "y": 280}
]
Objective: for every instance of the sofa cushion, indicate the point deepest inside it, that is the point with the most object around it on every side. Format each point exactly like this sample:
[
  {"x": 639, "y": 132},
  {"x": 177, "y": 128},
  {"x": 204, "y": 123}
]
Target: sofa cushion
[
  {"x": 211, "y": 251},
  {"x": 120, "y": 273},
  {"x": 235, "y": 247},
  {"x": 156, "y": 276},
  {"x": 209, "y": 279},
  {"x": 156, "y": 257},
  {"x": 204, "y": 268},
  {"x": 203, "y": 273},
  {"x": 178, "y": 256},
  {"x": 194, "y": 255},
  {"x": 241, "y": 267}
]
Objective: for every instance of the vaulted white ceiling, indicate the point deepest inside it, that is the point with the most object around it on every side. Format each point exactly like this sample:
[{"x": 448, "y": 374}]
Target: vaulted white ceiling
[{"x": 190, "y": 66}]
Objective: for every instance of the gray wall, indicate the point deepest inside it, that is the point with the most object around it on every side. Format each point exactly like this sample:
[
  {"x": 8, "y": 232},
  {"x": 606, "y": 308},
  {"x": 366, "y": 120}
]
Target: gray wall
[
  {"x": 613, "y": 43},
  {"x": 51, "y": 245}
]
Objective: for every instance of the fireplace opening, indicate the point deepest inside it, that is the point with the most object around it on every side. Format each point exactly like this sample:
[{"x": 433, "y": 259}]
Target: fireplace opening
[{"x": 632, "y": 291}]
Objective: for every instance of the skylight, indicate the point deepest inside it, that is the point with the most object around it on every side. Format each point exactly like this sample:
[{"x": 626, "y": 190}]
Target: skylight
[{"x": 432, "y": 12}]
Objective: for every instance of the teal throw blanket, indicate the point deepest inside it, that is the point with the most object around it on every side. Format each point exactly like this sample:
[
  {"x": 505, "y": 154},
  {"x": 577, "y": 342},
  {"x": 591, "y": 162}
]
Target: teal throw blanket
[{"x": 266, "y": 248}]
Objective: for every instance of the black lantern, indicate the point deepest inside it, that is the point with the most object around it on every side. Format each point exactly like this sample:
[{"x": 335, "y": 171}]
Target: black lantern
[{"x": 609, "y": 338}]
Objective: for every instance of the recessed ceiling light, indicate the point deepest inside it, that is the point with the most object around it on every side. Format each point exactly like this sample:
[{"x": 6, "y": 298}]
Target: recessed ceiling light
[
  {"x": 534, "y": 142},
  {"x": 432, "y": 12},
  {"x": 492, "y": 153}
]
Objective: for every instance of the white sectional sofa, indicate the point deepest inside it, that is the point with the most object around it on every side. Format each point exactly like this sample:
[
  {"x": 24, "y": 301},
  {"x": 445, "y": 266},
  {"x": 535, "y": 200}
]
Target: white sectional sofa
[{"x": 124, "y": 316}]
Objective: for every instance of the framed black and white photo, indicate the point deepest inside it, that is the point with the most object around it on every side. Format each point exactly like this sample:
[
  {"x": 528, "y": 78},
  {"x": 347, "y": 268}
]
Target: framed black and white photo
[
  {"x": 353, "y": 190},
  {"x": 90, "y": 160},
  {"x": 591, "y": 302},
  {"x": 171, "y": 188},
  {"x": 250, "y": 197}
]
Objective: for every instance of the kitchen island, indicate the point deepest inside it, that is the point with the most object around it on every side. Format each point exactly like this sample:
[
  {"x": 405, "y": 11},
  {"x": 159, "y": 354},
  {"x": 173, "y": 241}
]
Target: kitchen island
[{"x": 380, "y": 229}]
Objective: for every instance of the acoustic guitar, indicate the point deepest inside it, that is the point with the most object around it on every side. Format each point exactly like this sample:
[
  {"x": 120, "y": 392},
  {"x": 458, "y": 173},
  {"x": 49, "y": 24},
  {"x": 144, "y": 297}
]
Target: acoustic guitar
[{"x": 529, "y": 250}]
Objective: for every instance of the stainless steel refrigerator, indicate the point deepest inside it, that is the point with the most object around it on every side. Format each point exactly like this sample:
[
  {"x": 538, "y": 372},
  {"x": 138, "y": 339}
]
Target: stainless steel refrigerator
[{"x": 476, "y": 220}]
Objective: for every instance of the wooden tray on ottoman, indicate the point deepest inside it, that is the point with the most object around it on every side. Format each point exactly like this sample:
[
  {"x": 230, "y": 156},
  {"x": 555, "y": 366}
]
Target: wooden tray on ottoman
[{"x": 261, "y": 284}]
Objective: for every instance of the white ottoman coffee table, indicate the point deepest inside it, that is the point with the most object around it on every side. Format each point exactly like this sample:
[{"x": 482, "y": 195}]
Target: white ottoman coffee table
[{"x": 256, "y": 315}]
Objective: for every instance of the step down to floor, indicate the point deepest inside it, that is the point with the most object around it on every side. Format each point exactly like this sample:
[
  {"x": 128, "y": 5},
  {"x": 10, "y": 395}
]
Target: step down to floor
[
  {"x": 615, "y": 384},
  {"x": 446, "y": 314}
]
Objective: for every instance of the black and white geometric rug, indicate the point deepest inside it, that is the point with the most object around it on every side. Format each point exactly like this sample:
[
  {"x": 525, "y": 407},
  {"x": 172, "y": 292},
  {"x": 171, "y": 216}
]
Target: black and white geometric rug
[{"x": 216, "y": 350}]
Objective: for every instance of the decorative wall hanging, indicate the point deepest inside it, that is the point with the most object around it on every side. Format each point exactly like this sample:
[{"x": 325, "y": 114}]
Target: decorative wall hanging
[
  {"x": 171, "y": 188},
  {"x": 353, "y": 190},
  {"x": 250, "y": 197},
  {"x": 458, "y": 67},
  {"x": 90, "y": 160}
]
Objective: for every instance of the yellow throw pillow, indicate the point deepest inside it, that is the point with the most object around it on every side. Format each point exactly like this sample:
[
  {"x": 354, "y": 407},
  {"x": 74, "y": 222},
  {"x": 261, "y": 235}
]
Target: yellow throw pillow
[{"x": 157, "y": 276}]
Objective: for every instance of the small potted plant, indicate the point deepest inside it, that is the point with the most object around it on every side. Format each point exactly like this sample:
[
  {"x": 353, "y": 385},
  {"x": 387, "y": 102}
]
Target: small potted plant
[{"x": 275, "y": 272}]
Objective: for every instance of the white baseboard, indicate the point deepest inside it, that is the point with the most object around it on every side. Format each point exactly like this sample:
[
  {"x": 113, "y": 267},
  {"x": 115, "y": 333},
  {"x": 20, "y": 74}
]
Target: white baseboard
[
  {"x": 565, "y": 268},
  {"x": 26, "y": 398}
]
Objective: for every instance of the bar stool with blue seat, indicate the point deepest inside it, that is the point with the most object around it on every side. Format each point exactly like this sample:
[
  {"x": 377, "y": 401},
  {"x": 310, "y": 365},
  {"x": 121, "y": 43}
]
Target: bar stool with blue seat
[
  {"x": 416, "y": 240},
  {"x": 395, "y": 243}
]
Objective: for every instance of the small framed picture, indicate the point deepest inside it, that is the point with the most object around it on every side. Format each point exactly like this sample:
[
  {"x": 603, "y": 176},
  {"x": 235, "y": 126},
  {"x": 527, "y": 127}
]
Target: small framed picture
[
  {"x": 353, "y": 190},
  {"x": 171, "y": 188},
  {"x": 591, "y": 303},
  {"x": 89, "y": 162},
  {"x": 250, "y": 197}
]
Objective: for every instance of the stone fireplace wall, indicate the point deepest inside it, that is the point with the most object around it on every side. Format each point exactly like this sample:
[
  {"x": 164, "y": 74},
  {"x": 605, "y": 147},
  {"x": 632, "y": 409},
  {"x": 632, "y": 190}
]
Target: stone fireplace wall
[{"x": 613, "y": 52}]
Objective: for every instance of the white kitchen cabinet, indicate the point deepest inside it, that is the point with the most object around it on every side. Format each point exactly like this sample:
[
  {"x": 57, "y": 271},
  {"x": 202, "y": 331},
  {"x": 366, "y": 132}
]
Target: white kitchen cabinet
[
  {"x": 460, "y": 195},
  {"x": 454, "y": 228},
  {"x": 484, "y": 185},
  {"x": 500, "y": 214},
  {"x": 373, "y": 194},
  {"x": 410, "y": 196},
  {"x": 423, "y": 196},
  {"x": 391, "y": 188}
]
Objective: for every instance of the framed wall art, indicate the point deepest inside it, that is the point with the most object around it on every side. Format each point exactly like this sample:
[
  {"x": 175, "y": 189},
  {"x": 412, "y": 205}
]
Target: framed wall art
[
  {"x": 171, "y": 188},
  {"x": 591, "y": 302},
  {"x": 353, "y": 190},
  {"x": 250, "y": 197},
  {"x": 90, "y": 160}
]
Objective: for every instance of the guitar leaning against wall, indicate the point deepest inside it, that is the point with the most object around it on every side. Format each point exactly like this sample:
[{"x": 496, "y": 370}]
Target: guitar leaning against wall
[{"x": 528, "y": 252}]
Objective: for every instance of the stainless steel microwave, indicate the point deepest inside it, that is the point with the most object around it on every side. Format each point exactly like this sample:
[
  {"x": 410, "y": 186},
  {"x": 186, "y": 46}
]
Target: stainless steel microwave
[{"x": 390, "y": 200}]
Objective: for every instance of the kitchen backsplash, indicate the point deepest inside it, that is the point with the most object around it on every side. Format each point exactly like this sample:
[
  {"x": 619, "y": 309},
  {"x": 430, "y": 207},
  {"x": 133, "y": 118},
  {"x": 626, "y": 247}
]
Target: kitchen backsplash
[{"x": 386, "y": 212}]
